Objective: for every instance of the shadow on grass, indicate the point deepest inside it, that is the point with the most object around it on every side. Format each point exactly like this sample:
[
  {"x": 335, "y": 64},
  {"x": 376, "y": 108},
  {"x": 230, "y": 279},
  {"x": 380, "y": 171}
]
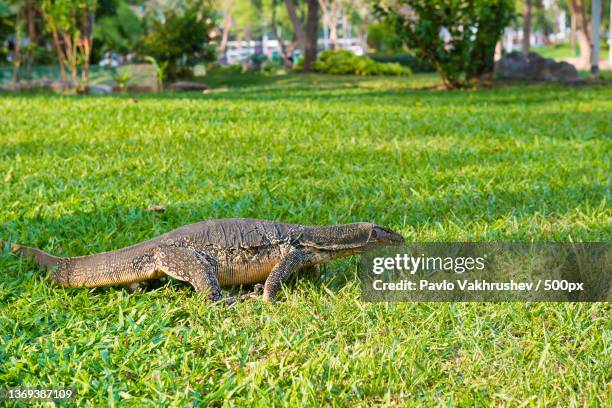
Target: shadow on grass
[
  {"x": 340, "y": 89},
  {"x": 534, "y": 96}
]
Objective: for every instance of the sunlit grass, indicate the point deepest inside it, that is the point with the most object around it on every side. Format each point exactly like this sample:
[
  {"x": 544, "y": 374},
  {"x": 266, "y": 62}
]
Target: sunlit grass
[
  {"x": 560, "y": 51},
  {"x": 507, "y": 164}
]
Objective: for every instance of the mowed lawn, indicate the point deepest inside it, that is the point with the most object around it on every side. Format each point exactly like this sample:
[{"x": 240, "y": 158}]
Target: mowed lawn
[{"x": 524, "y": 163}]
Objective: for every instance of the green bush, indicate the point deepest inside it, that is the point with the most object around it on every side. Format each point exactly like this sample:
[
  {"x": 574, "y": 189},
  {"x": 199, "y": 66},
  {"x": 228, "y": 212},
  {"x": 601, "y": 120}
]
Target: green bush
[
  {"x": 119, "y": 32},
  {"x": 458, "y": 38},
  {"x": 407, "y": 60},
  {"x": 256, "y": 62},
  {"x": 344, "y": 62},
  {"x": 231, "y": 69},
  {"x": 273, "y": 68},
  {"x": 383, "y": 39},
  {"x": 180, "y": 38}
]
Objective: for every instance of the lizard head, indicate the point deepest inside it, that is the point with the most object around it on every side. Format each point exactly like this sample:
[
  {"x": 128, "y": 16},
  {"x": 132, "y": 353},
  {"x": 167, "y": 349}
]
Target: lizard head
[
  {"x": 349, "y": 239},
  {"x": 384, "y": 236}
]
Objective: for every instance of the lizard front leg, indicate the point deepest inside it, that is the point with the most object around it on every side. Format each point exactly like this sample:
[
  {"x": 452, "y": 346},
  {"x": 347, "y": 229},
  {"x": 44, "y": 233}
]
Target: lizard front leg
[
  {"x": 190, "y": 266},
  {"x": 291, "y": 262}
]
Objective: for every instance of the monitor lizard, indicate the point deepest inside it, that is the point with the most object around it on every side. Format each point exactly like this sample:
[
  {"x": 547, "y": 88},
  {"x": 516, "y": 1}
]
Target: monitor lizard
[{"x": 214, "y": 253}]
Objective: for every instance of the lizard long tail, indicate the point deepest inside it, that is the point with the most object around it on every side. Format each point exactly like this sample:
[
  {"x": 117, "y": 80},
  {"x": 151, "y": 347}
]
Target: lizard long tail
[
  {"x": 123, "y": 266},
  {"x": 41, "y": 258}
]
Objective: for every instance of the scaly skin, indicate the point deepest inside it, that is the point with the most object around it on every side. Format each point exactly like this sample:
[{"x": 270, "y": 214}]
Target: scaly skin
[{"x": 215, "y": 253}]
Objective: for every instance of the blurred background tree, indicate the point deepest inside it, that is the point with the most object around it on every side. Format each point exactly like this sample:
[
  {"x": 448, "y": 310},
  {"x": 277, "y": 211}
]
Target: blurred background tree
[
  {"x": 383, "y": 38},
  {"x": 458, "y": 38},
  {"x": 179, "y": 37},
  {"x": 118, "y": 28},
  {"x": 71, "y": 24}
]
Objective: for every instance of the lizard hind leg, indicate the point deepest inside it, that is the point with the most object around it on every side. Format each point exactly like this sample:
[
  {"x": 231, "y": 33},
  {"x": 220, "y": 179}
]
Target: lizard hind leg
[{"x": 190, "y": 266}]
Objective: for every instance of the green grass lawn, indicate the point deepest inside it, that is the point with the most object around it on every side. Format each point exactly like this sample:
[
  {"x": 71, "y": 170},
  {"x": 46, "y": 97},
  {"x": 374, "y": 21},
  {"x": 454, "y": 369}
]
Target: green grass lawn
[{"x": 529, "y": 163}]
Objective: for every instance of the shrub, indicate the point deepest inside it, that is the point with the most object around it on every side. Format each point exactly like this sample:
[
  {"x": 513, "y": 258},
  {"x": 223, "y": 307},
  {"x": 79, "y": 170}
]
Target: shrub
[
  {"x": 344, "y": 62},
  {"x": 71, "y": 21},
  {"x": 273, "y": 68},
  {"x": 383, "y": 39},
  {"x": 457, "y": 37},
  {"x": 119, "y": 32},
  {"x": 256, "y": 62},
  {"x": 231, "y": 69},
  {"x": 180, "y": 39},
  {"x": 406, "y": 60}
]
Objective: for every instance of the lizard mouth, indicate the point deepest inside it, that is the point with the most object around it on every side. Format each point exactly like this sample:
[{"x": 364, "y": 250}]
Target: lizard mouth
[
  {"x": 384, "y": 235},
  {"x": 394, "y": 239}
]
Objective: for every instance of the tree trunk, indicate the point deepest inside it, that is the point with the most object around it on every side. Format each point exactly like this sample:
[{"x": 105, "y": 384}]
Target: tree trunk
[
  {"x": 85, "y": 54},
  {"x": 526, "y": 28},
  {"x": 363, "y": 33},
  {"x": 610, "y": 39},
  {"x": 330, "y": 21},
  {"x": 31, "y": 17},
  {"x": 61, "y": 57},
  {"x": 312, "y": 24},
  {"x": 225, "y": 27},
  {"x": 71, "y": 59},
  {"x": 498, "y": 50},
  {"x": 285, "y": 52},
  {"x": 582, "y": 31},
  {"x": 333, "y": 25},
  {"x": 596, "y": 19},
  {"x": 573, "y": 31},
  {"x": 84, "y": 46},
  {"x": 482, "y": 55},
  {"x": 17, "y": 49},
  {"x": 346, "y": 30},
  {"x": 297, "y": 25}
]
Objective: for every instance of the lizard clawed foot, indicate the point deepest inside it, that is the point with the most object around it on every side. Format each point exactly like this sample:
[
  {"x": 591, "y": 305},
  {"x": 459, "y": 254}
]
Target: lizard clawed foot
[
  {"x": 230, "y": 300},
  {"x": 257, "y": 289},
  {"x": 136, "y": 287}
]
